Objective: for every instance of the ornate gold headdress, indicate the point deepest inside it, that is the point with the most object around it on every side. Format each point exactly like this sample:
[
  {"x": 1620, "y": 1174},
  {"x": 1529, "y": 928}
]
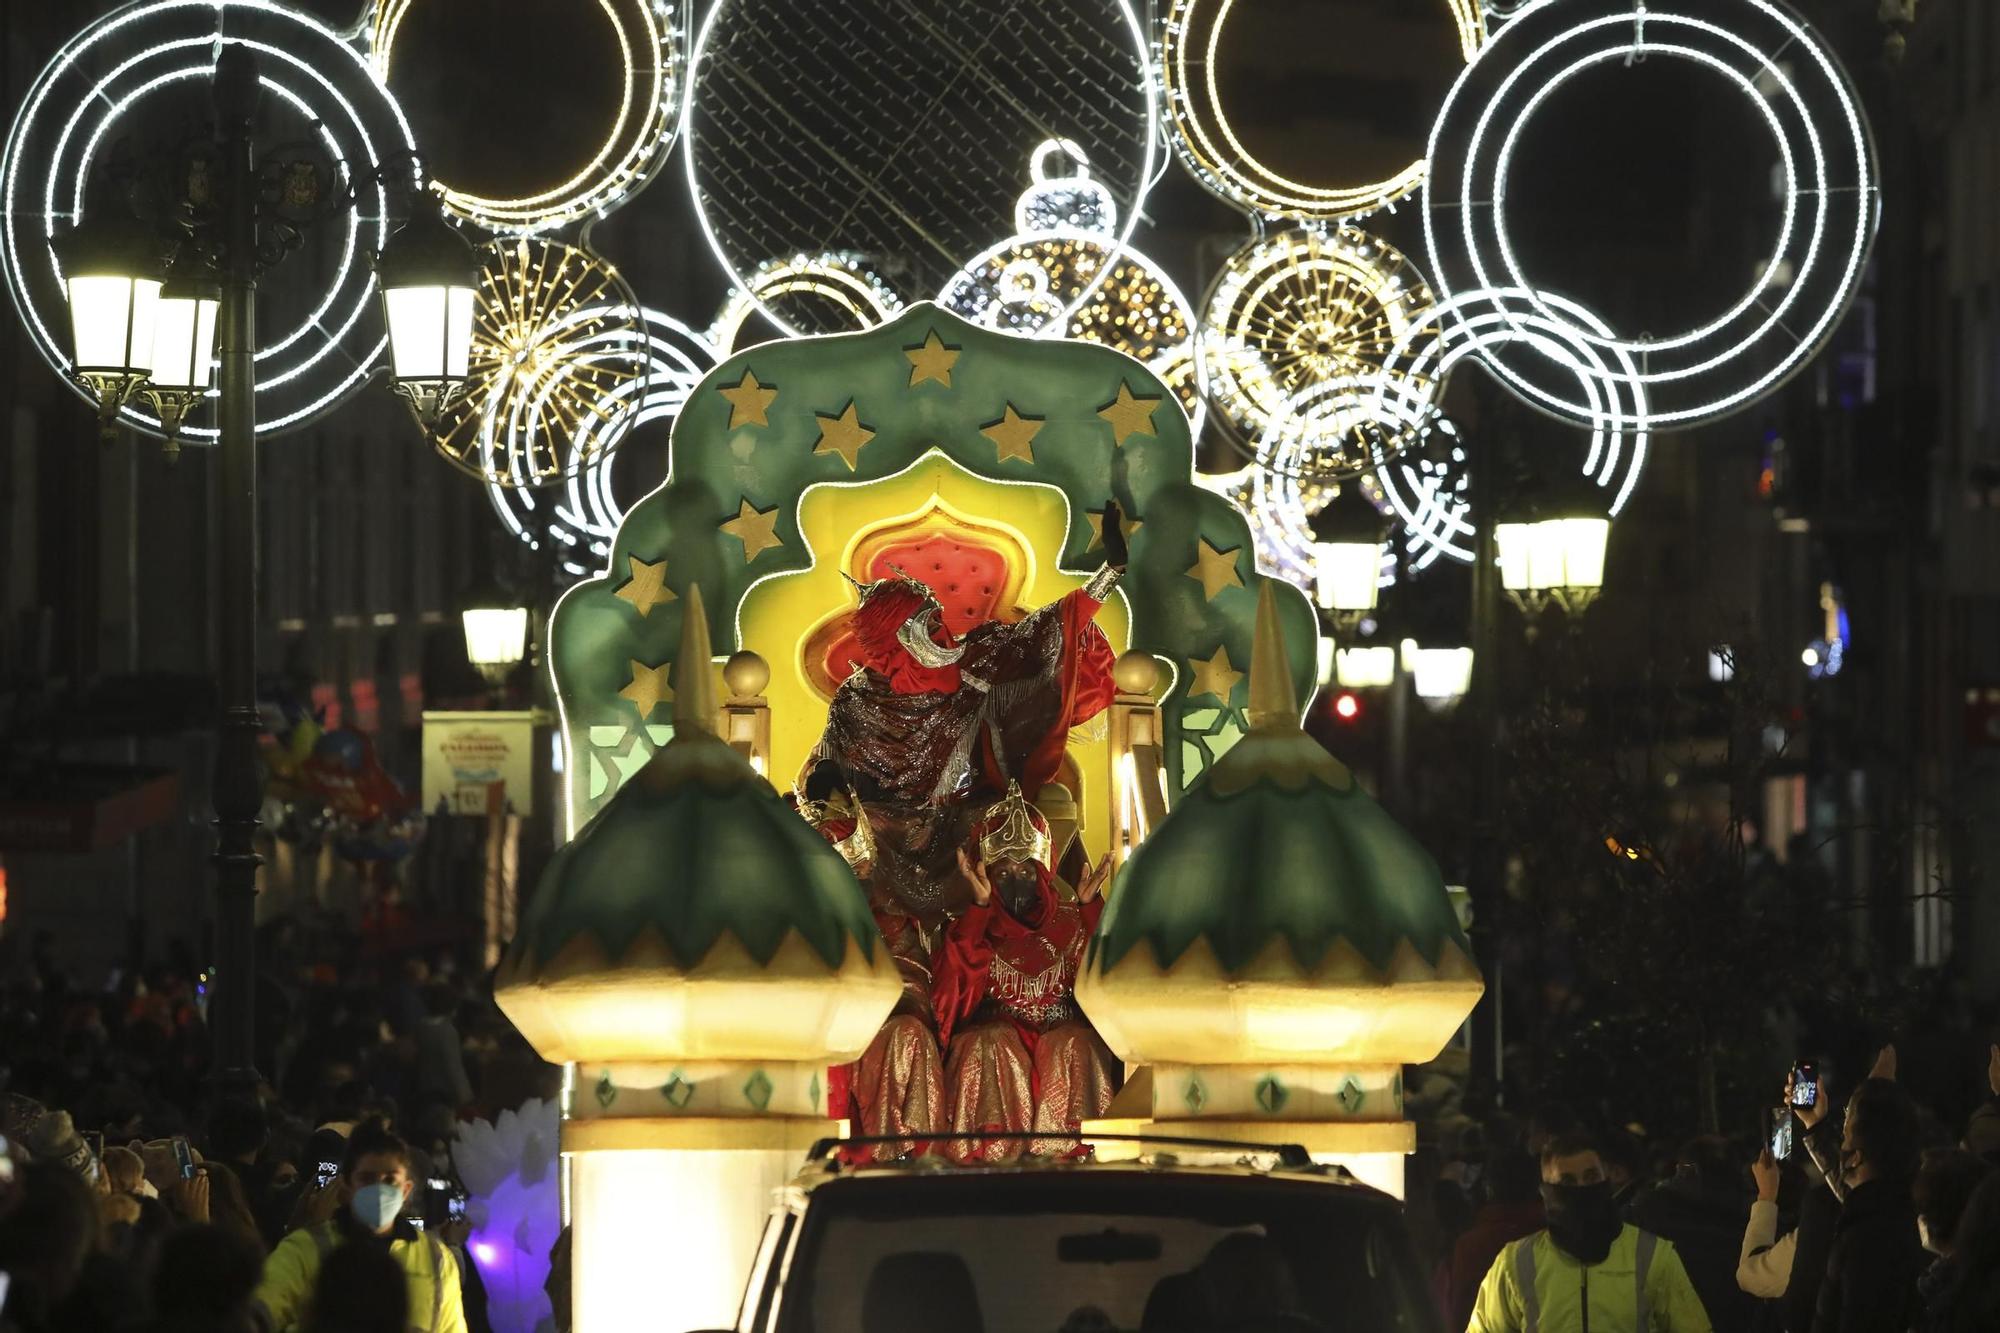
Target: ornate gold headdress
[{"x": 1018, "y": 836}]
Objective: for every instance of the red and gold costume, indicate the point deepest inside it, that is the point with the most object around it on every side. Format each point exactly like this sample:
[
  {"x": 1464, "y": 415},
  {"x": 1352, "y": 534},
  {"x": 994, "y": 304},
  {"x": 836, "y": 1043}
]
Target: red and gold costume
[
  {"x": 924, "y": 727},
  {"x": 1020, "y": 1055}
]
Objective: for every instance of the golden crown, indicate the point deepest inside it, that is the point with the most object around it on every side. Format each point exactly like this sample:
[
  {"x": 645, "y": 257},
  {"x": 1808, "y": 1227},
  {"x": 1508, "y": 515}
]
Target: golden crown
[{"x": 1019, "y": 836}]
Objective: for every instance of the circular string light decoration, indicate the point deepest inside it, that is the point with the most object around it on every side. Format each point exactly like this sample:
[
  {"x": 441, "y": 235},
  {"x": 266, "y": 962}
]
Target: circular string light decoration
[
  {"x": 556, "y": 334},
  {"x": 582, "y": 514},
  {"x": 1189, "y": 41},
  {"x": 154, "y": 60},
  {"x": 1795, "y": 92},
  {"x": 1427, "y": 488},
  {"x": 821, "y": 291},
  {"x": 1063, "y": 276},
  {"x": 612, "y": 169},
  {"x": 1299, "y": 312},
  {"x": 891, "y": 129}
]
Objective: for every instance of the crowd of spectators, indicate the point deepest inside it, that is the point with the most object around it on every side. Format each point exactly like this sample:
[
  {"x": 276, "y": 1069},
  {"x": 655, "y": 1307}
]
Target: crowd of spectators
[
  {"x": 1861, "y": 1212},
  {"x": 137, "y": 1192}
]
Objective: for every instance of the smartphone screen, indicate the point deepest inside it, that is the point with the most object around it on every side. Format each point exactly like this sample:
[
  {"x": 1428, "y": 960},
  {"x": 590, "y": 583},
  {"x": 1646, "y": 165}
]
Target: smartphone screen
[
  {"x": 323, "y": 1174},
  {"x": 184, "y": 1156},
  {"x": 1781, "y": 1133},
  {"x": 1805, "y": 1085},
  {"x": 455, "y": 1206}
]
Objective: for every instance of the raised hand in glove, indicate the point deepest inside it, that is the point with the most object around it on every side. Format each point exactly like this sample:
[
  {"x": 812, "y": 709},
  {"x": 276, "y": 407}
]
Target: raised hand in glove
[{"x": 1116, "y": 552}]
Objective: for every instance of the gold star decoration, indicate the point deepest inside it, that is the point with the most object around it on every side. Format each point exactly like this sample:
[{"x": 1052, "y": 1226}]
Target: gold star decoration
[
  {"x": 1214, "y": 675},
  {"x": 648, "y": 688},
  {"x": 1095, "y": 517},
  {"x": 843, "y": 435},
  {"x": 1129, "y": 416},
  {"x": 748, "y": 402},
  {"x": 931, "y": 361},
  {"x": 1013, "y": 434},
  {"x": 756, "y": 528},
  {"x": 647, "y": 586},
  {"x": 1216, "y": 569}
]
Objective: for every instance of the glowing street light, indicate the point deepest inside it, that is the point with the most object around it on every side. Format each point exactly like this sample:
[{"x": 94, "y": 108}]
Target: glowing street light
[
  {"x": 112, "y": 278},
  {"x": 183, "y": 347},
  {"x": 1347, "y": 548},
  {"x": 429, "y": 275},
  {"x": 496, "y": 632},
  {"x": 1554, "y": 550},
  {"x": 1442, "y": 675},
  {"x": 1365, "y": 668}
]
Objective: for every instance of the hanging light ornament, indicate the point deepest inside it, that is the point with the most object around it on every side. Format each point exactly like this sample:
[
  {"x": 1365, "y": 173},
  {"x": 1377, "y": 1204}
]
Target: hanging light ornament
[{"x": 1050, "y": 280}]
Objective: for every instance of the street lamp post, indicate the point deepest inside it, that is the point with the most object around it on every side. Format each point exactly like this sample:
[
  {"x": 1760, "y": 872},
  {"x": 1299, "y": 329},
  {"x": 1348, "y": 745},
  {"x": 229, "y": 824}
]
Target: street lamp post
[
  {"x": 238, "y": 783},
  {"x": 139, "y": 329}
]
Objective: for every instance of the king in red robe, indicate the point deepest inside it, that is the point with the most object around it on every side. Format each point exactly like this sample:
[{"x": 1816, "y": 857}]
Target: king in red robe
[
  {"x": 1020, "y": 1057},
  {"x": 927, "y": 732}
]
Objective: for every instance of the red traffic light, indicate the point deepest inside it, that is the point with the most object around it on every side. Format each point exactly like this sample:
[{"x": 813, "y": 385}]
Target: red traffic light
[{"x": 1346, "y": 706}]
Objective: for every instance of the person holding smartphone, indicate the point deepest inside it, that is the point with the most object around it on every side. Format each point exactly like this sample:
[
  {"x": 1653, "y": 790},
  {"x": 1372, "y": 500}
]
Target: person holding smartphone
[{"x": 374, "y": 1187}]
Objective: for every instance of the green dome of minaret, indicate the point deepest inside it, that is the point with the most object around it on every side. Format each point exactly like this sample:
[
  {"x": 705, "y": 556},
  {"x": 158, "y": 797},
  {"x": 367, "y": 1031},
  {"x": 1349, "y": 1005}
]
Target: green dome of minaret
[{"x": 695, "y": 873}]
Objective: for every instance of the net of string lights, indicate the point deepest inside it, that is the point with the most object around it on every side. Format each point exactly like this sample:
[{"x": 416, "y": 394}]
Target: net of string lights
[{"x": 871, "y": 128}]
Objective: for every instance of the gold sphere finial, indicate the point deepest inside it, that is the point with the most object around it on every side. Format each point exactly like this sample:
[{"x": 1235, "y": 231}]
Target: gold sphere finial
[
  {"x": 1136, "y": 673},
  {"x": 746, "y": 674}
]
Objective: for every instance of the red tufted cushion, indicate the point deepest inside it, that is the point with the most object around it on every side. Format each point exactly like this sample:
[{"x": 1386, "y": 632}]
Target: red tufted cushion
[{"x": 968, "y": 579}]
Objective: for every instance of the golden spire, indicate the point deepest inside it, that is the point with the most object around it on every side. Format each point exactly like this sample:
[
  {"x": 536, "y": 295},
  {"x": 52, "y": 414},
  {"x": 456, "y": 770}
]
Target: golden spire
[
  {"x": 694, "y": 690},
  {"x": 1274, "y": 704}
]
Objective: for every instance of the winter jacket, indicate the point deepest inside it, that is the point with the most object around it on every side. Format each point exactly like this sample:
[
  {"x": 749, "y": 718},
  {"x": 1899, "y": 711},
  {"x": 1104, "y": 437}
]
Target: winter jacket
[
  {"x": 1819, "y": 1217},
  {"x": 1640, "y": 1287},
  {"x": 435, "y": 1300},
  {"x": 1493, "y": 1227},
  {"x": 1706, "y": 1226},
  {"x": 1873, "y": 1267}
]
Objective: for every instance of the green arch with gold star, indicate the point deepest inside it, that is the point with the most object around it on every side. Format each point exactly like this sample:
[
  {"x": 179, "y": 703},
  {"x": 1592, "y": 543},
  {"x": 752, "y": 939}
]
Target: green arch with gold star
[{"x": 776, "y": 421}]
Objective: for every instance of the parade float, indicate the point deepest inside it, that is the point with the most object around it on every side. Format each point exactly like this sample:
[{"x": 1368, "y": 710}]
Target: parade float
[{"x": 1001, "y": 820}]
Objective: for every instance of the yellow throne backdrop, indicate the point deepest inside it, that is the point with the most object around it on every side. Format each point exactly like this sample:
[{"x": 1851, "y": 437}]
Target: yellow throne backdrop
[{"x": 793, "y": 619}]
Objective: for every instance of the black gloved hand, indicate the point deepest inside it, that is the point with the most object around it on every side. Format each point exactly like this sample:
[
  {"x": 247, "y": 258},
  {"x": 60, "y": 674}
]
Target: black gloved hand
[{"x": 1115, "y": 551}]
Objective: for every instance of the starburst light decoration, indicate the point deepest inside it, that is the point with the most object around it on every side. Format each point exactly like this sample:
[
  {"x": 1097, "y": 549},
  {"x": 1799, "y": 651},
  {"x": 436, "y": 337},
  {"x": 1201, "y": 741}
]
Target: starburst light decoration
[
  {"x": 557, "y": 342},
  {"x": 1303, "y": 316}
]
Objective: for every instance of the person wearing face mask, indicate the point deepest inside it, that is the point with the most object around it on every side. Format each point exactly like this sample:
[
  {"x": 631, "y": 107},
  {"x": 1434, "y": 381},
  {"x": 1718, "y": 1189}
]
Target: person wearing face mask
[
  {"x": 374, "y": 1187},
  {"x": 1588, "y": 1269},
  {"x": 1876, "y": 1258}
]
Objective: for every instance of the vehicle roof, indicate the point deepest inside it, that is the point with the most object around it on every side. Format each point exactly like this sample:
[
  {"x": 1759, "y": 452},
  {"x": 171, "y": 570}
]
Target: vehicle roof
[{"x": 823, "y": 1171}]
